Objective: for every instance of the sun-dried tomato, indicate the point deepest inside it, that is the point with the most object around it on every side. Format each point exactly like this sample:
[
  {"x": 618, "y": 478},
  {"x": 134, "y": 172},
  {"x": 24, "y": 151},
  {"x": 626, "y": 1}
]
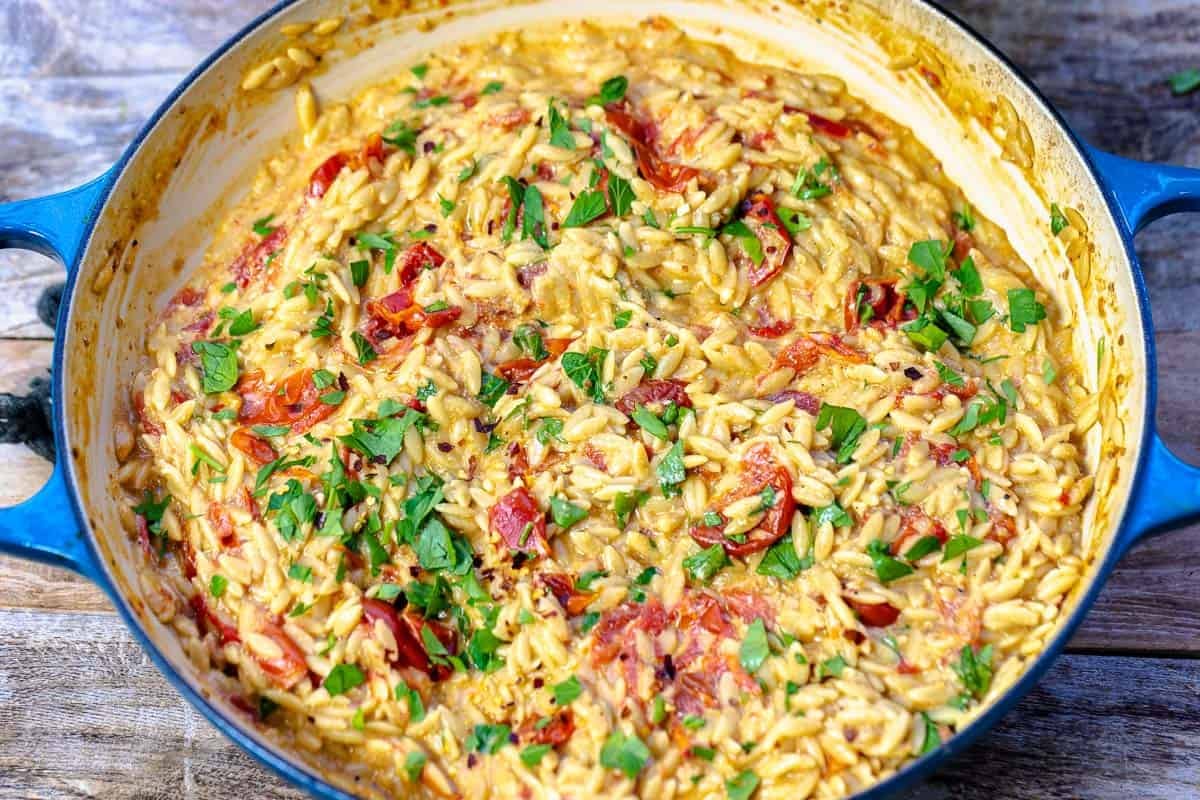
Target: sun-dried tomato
[
  {"x": 519, "y": 522},
  {"x": 761, "y": 218},
  {"x": 760, "y": 470},
  {"x": 295, "y": 402},
  {"x": 656, "y": 391}
]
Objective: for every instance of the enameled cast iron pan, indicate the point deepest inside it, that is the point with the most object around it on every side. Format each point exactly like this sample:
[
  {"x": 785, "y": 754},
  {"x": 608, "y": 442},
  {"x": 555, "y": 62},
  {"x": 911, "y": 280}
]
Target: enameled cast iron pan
[{"x": 129, "y": 238}]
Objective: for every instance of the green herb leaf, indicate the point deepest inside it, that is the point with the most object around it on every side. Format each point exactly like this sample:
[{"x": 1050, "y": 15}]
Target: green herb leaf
[
  {"x": 262, "y": 227},
  {"x": 754, "y": 649},
  {"x": 585, "y": 370},
  {"x": 650, "y": 423},
  {"x": 587, "y": 207},
  {"x": 624, "y": 752},
  {"x": 1058, "y": 220},
  {"x": 703, "y": 565},
  {"x": 414, "y": 765},
  {"x": 957, "y": 545},
  {"x": 625, "y": 503},
  {"x": 1024, "y": 309},
  {"x": 887, "y": 568},
  {"x": 487, "y": 739},
  {"x": 845, "y": 427},
  {"x": 742, "y": 785},
  {"x": 923, "y": 547},
  {"x": 567, "y": 692},
  {"x": 342, "y": 678},
  {"x": 491, "y": 389},
  {"x": 831, "y": 667},
  {"x": 611, "y": 91},
  {"x": 965, "y": 219},
  {"x": 532, "y": 755},
  {"x": 975, "y": 670},
  {"x": 671, "y": 471},
  {"x": 560, "y": 131},
  {"x": 400, "y": 135},
  {"x": 564, "y": 513},
  {"x": 218, "y": 365},
  {"x": 747, "y": 238},
  {"x": 491, "y": 87},
  {"x": 217, "y": 585},
  {"x": 620, "y": 195},
  {"x": 1184, "y": 81},
  {"x": 931, "y": 739}
]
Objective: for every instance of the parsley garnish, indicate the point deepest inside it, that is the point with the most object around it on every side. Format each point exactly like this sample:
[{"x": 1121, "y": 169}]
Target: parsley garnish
[
  {"x": 624, "y": 752},
  {"x": 611, "y": 91},
  {"x": 342, "y": 678},
  {"x": 705, "y": 564},
  {"x": 218, "y": 365}
]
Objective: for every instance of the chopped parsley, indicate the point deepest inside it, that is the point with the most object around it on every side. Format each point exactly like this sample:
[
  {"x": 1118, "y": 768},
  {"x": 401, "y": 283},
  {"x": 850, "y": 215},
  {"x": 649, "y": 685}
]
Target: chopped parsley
[
  {"x": 845, "y": 427},
  {"x": 611, "y": 91},
  {"x": 1058, "y": 220},
  {"x": 567, "y": 692},
  {"x": 217, "y": 586},
  {"x": 585, "y": 369},
  {"x": 887, "y": 568},
  {"x": 1024, "y": 309},
  {"x": 754, "y": 649},
  {"x": 588, "y": 206},
  {"x": 625, "y": 752},
  {"x": 218, "y": 366},
  {"x": 564, "y": 513},
  {"x": 487, "y": 739},
  {"x": 342, "y": 678},
  {"x": 671, "y": 471},
  {"x": 702, "y": 566}
]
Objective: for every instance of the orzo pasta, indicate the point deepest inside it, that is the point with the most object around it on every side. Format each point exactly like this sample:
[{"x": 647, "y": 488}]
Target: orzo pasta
[{"x": 590, "y": 413}]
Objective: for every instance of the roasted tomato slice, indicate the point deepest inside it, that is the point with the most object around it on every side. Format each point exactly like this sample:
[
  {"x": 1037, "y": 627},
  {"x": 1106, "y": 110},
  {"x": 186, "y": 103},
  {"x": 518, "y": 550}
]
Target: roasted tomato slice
[
  {"x": 760, "y": 217},
  {"x": 250, "y": 264},
  {"x": 654, "y": 392},
  {"x": 804, "y": 353},
  {"x": 324, "y": 175},
  {"x": 207, "y": 619},
  {"x": 296, "y": 402},
  {"x": 875, "y": 302},
  {"x": 562, "y": 586},
  {"x": 222, "y": 524},
  {"x": 258, "y": 449},
  {"x": 289, "y": 667},
  {"x": 416, "y": 258},
  {"x": 518, "y": 370},
  {"x": 772, "y": 329},
  {"x": 760, "y": 470},
  {"x": 555, "y": 733},
  {"x": 875, "y": 615},
  {"x": 662, "y": 174},
  {"x": 519, "y": 522}
]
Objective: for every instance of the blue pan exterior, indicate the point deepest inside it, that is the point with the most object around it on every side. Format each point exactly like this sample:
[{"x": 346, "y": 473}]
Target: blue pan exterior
[{"x": 1165, "y": 494}]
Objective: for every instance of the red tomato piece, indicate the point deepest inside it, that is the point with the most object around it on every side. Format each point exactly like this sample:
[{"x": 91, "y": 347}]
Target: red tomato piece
[
  {"x": 416, "y": 258},
  {"x": 773, "y": 329},
  {"x": 258, "y": 449},
  {"x": 562, "y": 586},
  {"x": 324, "y": 175},
  {"x": 886, "y": 302},
  {"x": 760, "y": 470},
  {"x": 510, "y": 119},
  {"x": 804, "y": 353},
  {"x": 662, "y": 174},
  {"x": 660, "y": 392},
  {"x": 556, "y": 733},
  {"x": 875, "y": 615},
  {"x": 289, "y": 667},
  {"x": 297, "y": 402},
  {"x": 761, "y": 218},
  {"x": 820, "y": 124},
  {"x": 519, "y": 522},
  {"x": 207, "y": 619},
  {"x": 250, "y": 264},
  {"x": 222, "y": 525}
]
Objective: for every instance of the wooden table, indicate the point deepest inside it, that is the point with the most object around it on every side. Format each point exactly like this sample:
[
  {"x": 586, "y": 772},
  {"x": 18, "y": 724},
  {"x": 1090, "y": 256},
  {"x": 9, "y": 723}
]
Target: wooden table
[{"x": 83, "y": 713}]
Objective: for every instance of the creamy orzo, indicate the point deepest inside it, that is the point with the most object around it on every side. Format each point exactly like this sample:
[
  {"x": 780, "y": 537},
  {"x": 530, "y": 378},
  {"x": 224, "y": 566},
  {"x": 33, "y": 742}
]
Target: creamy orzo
[{"x": 587, "y": 412}]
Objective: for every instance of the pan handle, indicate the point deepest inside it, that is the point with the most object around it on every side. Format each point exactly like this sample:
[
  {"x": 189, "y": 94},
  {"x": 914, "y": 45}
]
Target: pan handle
[
  {"x": 1167, "y": 494},
  {"x": 43, "y": 528}
]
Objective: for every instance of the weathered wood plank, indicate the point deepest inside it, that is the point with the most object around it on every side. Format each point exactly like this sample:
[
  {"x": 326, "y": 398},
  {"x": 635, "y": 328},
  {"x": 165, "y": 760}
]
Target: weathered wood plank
[{"x": 78, "y": 684}]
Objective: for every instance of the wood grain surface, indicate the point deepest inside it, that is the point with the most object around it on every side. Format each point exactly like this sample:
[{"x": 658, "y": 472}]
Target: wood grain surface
[{"x": 83, "y": 712}]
